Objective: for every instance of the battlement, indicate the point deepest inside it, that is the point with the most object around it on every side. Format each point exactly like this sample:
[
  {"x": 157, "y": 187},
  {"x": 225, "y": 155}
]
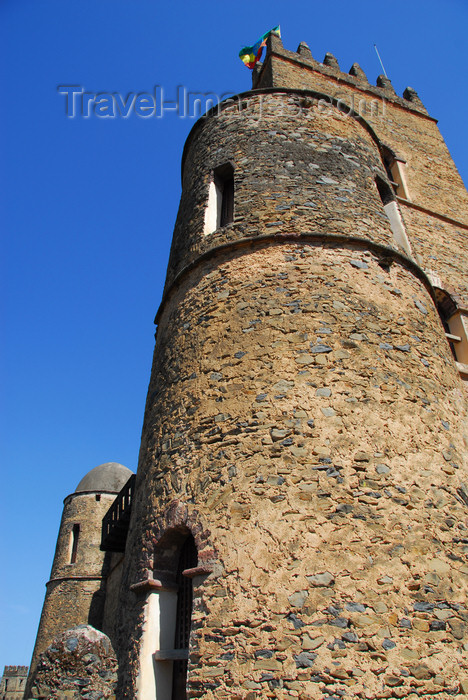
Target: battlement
[
  {"x": 15, "y": 671},
  {"x": 273, "y": 72}
]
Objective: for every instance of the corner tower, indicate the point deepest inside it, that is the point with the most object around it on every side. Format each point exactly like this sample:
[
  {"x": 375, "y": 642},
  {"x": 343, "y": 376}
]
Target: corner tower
[
  {"x": 305, "y": 421},
  {"x": 76, "y": 590}
]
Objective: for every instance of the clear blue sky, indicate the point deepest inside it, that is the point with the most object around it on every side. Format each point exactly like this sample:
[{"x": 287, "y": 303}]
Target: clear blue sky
[{"x": 88, "y": 207}]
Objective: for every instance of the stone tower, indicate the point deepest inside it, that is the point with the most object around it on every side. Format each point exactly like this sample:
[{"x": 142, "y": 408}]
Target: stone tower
[
  {"x": 76, "y": 590},
  {"x": 301, "y": 490},
  {"x": 12, "y": 683}
]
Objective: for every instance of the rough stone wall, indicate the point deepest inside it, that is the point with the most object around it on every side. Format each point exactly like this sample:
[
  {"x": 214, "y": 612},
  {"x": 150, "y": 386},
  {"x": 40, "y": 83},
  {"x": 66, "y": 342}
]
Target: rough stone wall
[
  {"x": 76, "y": 592},
  {"x": 86, "y": 509},
  {"x": 111, "y": 606},
  {"x": 295, "y": 170},
  {"x": 442, "y": 248},
  {"x": 80, "y": 663},
  {"x": 306, "y": 422},
  {"x": 12, "y": 683},
  {"x": 296, "y": 407},
  {"x": 404, "y": 126}
]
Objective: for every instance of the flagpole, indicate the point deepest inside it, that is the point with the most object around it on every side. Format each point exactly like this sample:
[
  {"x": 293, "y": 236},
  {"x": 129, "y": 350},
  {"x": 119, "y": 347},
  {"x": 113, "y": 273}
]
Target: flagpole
[{"x": 378, "y": 55}]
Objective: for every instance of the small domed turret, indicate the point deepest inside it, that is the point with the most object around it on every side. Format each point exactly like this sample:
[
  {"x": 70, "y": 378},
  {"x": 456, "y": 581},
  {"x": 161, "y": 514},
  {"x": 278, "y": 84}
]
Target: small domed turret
[
  {"x": 76, "y": 591},
  {"x": 109, "y": 477}
]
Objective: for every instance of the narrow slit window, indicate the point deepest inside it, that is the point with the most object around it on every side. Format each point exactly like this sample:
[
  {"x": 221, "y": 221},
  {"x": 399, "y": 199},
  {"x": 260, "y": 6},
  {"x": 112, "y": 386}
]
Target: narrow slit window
[
  {"x": 75, "y": 534},
  {"x": 220, "y": 207},
  {"x": 226, "y": 186},
  {"x": 396, "y": 170}
]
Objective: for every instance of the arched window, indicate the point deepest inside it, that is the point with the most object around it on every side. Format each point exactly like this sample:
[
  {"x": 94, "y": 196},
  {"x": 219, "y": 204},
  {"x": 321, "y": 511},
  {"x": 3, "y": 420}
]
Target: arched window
[
  {"x": 188, "y": 559},
  {"x": 220, "y": 207},
  {"x": 164, "y": 649}
]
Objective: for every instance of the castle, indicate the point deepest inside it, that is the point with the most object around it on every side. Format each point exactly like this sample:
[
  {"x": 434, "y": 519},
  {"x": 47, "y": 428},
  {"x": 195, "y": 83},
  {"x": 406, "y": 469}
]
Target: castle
[{"x": 298, "y": 524}]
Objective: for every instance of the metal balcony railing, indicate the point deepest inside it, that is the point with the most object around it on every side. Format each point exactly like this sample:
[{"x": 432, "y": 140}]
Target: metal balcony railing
[{"x": 116, "y": 520}]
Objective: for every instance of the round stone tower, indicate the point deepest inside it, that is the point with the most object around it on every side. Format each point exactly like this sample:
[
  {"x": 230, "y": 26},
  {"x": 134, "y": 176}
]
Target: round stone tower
[
  {"x": 76, "y": 590},
  {"x": 304, "y": 424}
]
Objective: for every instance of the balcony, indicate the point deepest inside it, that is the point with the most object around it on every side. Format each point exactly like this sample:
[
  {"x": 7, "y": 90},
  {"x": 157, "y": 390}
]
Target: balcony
[{"x": 116, "y": 521}]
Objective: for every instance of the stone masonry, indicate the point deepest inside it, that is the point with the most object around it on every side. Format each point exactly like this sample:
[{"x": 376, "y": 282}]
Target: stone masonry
[
  {"x": 437, "y": 214},
  {"x": 80, "y": 663},
  {"x": 305, "y": 418},
  {"x": 13, "y": 682}
]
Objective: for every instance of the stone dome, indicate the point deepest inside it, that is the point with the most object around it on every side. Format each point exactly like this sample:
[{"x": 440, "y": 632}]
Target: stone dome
[{"x": 109, "y": 477}]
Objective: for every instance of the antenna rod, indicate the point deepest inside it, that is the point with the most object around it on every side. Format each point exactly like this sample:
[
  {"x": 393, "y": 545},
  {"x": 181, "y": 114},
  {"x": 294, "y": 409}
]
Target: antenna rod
[{"x": 378, "y": 55}]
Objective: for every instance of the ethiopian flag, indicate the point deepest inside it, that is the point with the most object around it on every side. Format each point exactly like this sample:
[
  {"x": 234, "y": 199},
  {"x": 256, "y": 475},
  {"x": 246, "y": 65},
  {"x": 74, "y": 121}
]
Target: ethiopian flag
[{"x": 251, "y": 54}]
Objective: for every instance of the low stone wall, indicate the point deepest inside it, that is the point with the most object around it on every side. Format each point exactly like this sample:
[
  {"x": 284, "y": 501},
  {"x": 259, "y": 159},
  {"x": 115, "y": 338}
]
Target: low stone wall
[{"x": 80, "y": 663}]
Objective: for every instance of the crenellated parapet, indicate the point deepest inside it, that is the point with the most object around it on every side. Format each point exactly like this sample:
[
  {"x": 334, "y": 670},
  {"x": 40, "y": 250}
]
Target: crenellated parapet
[
  {"x": 10, "y": 671},
  {"x": 357, "y": 72},
  {"x": 268, "y": 75},
  {"x": 12, "y": 683}
]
